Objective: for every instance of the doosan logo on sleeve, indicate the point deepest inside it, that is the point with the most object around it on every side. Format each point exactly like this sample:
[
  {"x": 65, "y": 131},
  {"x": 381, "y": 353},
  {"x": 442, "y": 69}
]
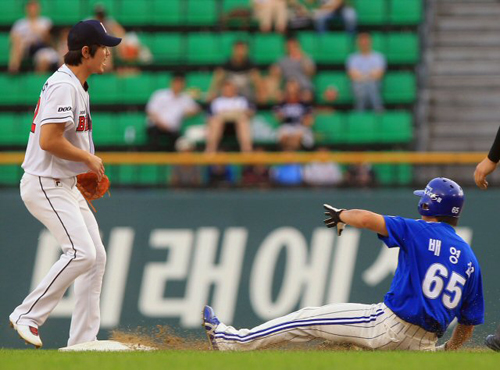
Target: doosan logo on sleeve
[{"x": 63, "y": 109}]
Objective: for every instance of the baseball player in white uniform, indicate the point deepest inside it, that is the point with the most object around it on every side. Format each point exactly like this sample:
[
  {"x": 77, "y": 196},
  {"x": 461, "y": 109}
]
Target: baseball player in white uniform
[{"x": 59, "y": 148}]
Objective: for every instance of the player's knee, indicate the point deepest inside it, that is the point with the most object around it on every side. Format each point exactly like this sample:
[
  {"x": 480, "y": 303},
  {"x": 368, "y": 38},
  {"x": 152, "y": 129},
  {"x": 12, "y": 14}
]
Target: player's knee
[{"x": 86, "y": 259}]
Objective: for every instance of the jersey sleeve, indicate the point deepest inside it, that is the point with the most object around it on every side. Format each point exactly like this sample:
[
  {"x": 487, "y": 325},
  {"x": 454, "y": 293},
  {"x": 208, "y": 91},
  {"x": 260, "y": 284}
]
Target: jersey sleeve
[
  {"x": 472, "y": 311},
  {"x": 59, "y": 104},
  {"x": 397, "y": 229}
]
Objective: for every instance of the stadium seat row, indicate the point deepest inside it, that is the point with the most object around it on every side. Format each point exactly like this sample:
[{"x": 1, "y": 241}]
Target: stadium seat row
[
  {"x": 125, "y": 129},
  {"x": 398, "y": 87},
  {"x": 156, "y": 175},
  {"x": 196, "y": 12},
  {"x": 215, "y": 48}
]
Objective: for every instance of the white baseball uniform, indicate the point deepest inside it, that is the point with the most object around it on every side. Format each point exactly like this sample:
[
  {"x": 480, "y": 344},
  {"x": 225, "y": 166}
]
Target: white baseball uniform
[
  {"x": 369, "y": 326},
  {"x": 49, "y": 192}
]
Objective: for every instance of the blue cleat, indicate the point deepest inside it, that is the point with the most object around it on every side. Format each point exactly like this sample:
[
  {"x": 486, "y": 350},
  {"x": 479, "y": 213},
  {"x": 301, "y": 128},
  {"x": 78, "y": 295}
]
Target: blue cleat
[
  {"x": 210, "y": 323},
  {"x": 492, "y": 342}
]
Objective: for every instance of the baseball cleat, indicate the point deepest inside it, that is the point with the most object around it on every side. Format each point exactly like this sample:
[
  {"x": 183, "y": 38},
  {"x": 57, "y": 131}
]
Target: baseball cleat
[
  {"x": 28, "y": 333},
  {"x": 492, "y": 342},
  {"x": 210, "y": 323}
]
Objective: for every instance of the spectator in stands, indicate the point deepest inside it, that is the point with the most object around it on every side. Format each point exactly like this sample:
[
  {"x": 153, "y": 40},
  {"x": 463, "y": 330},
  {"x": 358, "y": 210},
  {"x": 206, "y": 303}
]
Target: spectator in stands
[
  {"x": 29, "y": 37},
  {"x": 165, "y": 110},
  {"x": 322, "y": 173},
  {"x": 296, "y": 118},
  {"x": 221, "y": 176},
  {"x": 360, "y": 175},
  {"x": 256, "y": 175},
  {"x": 268, "y": 12},
  {"x": 332, "y": 9},
  {"x": 366, "y": 70},
  {"x": 244, "y": 74},
  {"x": 229, "y": 108},
  {"x": 296, "y": 65},
  {"x": 130, "y": 50},
  {"x": 186, "y": 175}
]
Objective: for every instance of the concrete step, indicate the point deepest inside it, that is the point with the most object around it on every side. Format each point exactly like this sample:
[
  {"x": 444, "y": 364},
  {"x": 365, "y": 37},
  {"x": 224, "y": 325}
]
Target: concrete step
[
  {"x": 471, "y": 23},
  {"x": 446, "y": 68},
  {"x": 468, "y": 130},
  {"x": 453, "y": 144},
  {"x": 468, "y": 8},
  {"x": 458, "y": 53},
  {"x": 464, "y": 98},
  {"x": 465, "y": 81},
  {"x": 444, "y": 113},
  {"x": 466, "y": 39}
]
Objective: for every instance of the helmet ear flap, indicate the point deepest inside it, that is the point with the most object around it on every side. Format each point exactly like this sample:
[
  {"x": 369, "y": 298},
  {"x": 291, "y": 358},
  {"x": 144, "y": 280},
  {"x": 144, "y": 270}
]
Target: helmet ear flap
[{"x": 425, "y": 206}]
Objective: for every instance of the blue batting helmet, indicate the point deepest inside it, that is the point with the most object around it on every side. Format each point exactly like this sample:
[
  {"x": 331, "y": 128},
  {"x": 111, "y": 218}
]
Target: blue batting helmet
[{"x": 441, "y": 197}]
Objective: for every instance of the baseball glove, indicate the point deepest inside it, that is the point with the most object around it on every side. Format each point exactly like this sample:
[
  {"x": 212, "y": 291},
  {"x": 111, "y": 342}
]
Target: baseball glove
[{"x": 91, "y": 188}]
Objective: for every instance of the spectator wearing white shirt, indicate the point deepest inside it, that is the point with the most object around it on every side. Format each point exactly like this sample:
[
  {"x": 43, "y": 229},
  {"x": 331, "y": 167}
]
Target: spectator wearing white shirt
[
  {"x": 229, "y": 108},
  {"x": 165, "y": 110},
  {"x": 322, "y": 173},
  {"x": 366, "y": 70},
  {"x": 29, "y": 36}
]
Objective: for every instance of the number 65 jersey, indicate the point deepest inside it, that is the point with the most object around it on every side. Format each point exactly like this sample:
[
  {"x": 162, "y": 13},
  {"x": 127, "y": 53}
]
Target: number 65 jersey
[
  {"x": 63, "y": 101},
  {"x": 438, "y": 276}
]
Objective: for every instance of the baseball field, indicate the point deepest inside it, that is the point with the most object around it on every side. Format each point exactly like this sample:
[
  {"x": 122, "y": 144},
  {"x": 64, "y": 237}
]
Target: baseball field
[{"x": 276, "y": 360}]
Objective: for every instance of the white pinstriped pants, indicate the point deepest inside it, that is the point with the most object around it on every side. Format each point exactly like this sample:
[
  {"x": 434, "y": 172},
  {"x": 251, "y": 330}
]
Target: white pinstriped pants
[
  {"x": 61, "y": 208},
  {"x": 368, "y": 326}
]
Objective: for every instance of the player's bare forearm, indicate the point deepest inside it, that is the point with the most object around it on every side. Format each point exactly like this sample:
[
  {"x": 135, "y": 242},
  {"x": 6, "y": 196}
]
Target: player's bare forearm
[
  {"x": 53, "y": 141},
  {"x": 362, "y": 219},
  {"x": 461, "y": 334}
]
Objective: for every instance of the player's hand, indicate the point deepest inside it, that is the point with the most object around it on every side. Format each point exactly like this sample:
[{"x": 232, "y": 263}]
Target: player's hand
[
  {"x": 94, "y": 163},
  {"x": 333, "y": 219},
  {"x": 483, "y": 169}
]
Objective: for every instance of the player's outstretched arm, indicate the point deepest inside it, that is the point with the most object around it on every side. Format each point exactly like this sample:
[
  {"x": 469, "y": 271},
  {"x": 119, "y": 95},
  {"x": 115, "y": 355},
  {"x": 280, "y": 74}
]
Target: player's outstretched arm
[
  {"x": 358, "y": 218},
  {"x": 461, "y": 334}
]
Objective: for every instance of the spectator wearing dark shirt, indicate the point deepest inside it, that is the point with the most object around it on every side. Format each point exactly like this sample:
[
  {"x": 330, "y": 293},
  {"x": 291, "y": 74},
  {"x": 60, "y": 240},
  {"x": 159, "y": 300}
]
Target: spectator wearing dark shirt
[
  {"x": 296, "y": 118},
  {"x": 242, "y": 72}
]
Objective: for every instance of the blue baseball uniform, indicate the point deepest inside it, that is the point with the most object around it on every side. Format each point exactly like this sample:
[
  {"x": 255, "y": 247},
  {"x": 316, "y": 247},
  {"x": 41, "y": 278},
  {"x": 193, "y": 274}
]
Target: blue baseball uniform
[{"x": 438, "y": 276}]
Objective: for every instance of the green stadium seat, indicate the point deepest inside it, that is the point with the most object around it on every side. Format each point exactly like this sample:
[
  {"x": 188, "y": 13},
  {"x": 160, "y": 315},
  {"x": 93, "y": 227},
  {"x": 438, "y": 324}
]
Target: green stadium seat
[
  {"x": 371, "y": 12},
  {"x": 395, "y": 127},
  {"x": 12, "y": 10},
  {"x": 309, "y": 43},
  {"x": 361, "y": 128},
  {"x": 168, "y": 12},
  {"x": 405, "y": 12},
  {"x": 105, "y": 129},
  {"x": 132, "y": 128},
  {"x": 228, "y": 5},
  {"x": 333, "y": 48},
  {"x": 393, "y": 174},
  {"x": 12, "y": 87},
  {"x": 198, "y": 83},
  {"x": 127, "y": 174},
  {"x": 330, "y": 128},
  {"x": 339, "y": 80},
  {"x": 134, "y": 12},
  {"x": 399, "y": 87},
  {"x": 136, "y": 89},
  {"x": 405, "y": 174},
  {"x": 402, "y": 48},
  {"x": 161, "y": 80},
  {"x": 197, "y": 120},
  {"x": 204, "y": 48},
  {"x": 31, "y": 85},
  {"x": 9, "y": 123},
  {"x": 10, "y": 174},
  {"x": 379, "y": 42},
  {"x": 201, "y": 12},
  {"x": 267, "y": 48},
  {"x": 63, "y": 12},
  {"x": 151, "y": 175},
  {"x": 103, "y": 89},
  {"x": 167, "y": 48},
  {"x": 4, "y": 48}
]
